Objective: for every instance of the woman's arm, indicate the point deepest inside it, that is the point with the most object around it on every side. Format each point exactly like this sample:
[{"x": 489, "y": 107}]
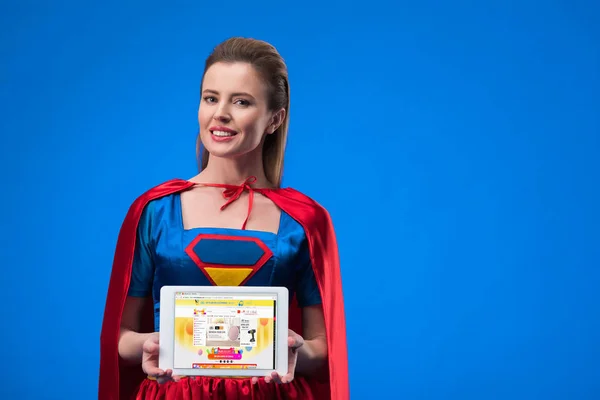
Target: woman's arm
[
  {"x": 312, "y": 355},
  {"x": 142, "y": 275},
  {"x": 130, "y": 341}
]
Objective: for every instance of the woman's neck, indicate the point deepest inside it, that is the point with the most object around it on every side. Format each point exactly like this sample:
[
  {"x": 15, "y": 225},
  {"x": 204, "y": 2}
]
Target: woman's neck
[{"x": 233, "y": 172}]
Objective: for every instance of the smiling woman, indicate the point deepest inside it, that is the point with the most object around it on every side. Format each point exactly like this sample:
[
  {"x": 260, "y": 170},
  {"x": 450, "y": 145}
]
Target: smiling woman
[
  {"x": 236, "y": 118},
  {"x": 235, "y": 111},
  {"x": 243, "y": 120},
  {"x": 253, "y": 76}
]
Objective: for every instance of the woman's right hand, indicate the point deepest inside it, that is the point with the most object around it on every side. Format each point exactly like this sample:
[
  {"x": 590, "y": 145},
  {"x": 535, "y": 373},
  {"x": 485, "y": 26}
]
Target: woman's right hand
[{"x": 150, "y": 360}]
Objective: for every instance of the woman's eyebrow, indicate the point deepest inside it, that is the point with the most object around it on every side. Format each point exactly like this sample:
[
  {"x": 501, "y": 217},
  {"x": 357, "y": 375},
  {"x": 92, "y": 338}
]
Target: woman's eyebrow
[{"x": 233, "y": 94}]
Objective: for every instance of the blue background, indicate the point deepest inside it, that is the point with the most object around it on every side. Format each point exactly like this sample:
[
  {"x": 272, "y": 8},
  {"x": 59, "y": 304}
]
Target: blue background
[{"x": 454, "y": 143}]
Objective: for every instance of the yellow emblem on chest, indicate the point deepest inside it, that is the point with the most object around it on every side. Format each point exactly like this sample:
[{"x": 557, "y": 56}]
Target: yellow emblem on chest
[{"x": 228, "y": 260}]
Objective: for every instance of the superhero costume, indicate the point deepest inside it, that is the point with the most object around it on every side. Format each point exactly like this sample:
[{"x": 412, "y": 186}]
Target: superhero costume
[{"x": 301, "y": 218}]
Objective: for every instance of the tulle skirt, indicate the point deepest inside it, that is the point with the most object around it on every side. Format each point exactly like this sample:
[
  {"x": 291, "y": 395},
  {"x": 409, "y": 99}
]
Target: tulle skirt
[{"x": 215, "y": 388}]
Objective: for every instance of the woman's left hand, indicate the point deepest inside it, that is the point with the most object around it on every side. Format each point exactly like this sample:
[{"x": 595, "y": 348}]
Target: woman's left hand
[{"x": 295, "y": 341}]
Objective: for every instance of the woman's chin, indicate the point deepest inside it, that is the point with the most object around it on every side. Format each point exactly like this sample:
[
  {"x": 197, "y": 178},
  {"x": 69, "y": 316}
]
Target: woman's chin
[
  {"x": 217, "y": 152},
  {"x": 228, "y": 150}
]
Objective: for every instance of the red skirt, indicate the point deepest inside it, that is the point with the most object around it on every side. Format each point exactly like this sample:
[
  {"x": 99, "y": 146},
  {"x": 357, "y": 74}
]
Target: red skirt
[{"x": 215, "y": 388}]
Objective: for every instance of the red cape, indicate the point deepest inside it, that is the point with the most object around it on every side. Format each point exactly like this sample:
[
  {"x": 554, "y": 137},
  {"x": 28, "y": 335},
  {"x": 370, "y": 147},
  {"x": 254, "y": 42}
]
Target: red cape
[{"x": 119, "y": 381}]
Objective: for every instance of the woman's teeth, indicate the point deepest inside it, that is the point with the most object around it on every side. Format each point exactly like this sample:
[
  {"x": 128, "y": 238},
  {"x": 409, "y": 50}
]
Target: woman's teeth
[{"x": 222, "y": 134}]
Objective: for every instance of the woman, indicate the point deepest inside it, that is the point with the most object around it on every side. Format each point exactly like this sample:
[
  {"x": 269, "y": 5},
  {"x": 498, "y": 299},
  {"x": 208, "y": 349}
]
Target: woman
[{"x": 243, "y": 118}]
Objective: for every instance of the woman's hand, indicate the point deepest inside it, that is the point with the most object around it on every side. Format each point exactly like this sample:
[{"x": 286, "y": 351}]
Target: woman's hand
[
  {"x": 150, "y": 360},
  {"x": 295, "y": 341}
]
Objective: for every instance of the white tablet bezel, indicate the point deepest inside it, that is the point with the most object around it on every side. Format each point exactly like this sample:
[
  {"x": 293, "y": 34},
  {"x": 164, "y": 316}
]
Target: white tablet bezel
[{"x": 167, "y": 322}]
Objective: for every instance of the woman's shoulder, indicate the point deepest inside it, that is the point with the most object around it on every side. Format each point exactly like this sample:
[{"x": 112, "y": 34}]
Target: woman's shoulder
[
  {"x": 296, "y": 197},
  {"x": 159, "y": 196},
  {"x": 302, "y": 207}
]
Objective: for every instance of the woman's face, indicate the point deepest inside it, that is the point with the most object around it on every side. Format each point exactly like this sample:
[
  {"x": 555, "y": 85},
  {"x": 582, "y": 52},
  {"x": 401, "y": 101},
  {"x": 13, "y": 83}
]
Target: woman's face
[{"x": 233, "y": 115}]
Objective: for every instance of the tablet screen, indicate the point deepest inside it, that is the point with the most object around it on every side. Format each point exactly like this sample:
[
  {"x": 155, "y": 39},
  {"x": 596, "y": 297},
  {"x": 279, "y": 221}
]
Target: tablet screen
[{"x": 224, "y": 330}]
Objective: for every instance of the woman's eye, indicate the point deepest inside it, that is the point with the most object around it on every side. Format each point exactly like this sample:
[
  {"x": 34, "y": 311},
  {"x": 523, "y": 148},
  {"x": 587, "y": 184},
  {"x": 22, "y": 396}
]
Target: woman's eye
[
  {"x": 210, "y": 99},
  {"x": 242, "y": 102}
]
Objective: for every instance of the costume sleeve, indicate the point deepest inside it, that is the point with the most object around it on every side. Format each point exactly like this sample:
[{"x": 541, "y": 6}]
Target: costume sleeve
[
  {"x": 307, "y": 290},
  {"x": 142, "y": 271}
]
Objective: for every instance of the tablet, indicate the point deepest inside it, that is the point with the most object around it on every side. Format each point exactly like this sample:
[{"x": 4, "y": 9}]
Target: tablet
[{"x": 223, "y": 331}]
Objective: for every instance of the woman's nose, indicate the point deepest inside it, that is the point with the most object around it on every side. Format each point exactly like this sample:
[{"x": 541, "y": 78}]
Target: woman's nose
[{"x": 222, "y": 115}]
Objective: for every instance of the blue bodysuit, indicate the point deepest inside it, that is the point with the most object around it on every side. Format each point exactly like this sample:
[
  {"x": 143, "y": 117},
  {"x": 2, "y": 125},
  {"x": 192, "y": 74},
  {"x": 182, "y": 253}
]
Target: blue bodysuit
[{"x": 168, "y": 254}]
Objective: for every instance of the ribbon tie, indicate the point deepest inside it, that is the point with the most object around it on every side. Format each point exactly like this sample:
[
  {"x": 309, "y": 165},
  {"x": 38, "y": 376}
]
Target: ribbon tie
[{"x": 233, "y": 192}]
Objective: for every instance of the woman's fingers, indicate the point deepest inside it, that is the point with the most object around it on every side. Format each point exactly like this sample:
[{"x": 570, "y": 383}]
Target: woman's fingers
[{"x": 150, "y": 346}]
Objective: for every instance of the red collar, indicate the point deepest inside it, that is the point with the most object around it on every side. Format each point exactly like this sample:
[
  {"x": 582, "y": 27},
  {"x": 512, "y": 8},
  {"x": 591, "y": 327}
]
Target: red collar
[{"x": 233, "y": 192}]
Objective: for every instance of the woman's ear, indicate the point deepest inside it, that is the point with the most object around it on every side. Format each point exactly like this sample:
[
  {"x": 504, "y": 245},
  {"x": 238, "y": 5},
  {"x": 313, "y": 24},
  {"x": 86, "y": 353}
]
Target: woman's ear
[{"x": 276, "y": 121}]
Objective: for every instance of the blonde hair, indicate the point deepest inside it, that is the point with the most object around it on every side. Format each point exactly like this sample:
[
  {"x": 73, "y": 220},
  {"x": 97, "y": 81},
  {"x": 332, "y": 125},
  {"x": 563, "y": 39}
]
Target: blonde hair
[{"x": 272, "y": 68}]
